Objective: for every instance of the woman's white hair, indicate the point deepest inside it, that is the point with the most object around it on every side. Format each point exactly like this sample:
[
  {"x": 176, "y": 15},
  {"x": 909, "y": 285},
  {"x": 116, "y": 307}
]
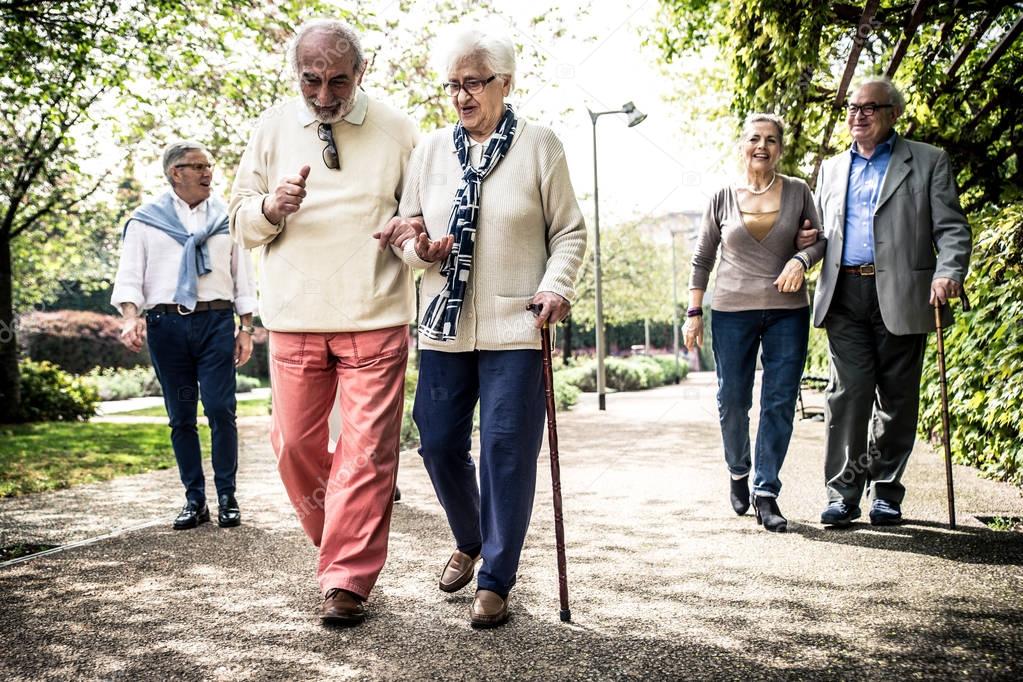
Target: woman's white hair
[
  {"x": 496, "y": 50},
  {"x": 895, "y": 96},
  {"x": 347, "y": 39}
]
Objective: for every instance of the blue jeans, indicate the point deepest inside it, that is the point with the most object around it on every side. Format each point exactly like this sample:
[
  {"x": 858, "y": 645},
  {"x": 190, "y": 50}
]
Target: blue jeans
[
  {"x": 783, "y": 336},
  {"x": 491, "y": 518},
  {"x": 193, "y": 356}
]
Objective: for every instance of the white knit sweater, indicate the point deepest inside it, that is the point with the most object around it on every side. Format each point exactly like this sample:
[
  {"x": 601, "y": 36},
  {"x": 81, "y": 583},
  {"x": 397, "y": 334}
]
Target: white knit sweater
[
  {"x": 321, "y": 269},
  {"x": 530, "y": 235}
]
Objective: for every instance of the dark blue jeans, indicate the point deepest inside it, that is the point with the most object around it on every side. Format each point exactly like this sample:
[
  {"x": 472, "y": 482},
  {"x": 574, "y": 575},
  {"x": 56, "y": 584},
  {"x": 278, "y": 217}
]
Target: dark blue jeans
[
  {"x": 490, "y": 518},
  {"x": 193, "y": 356},
  {"x": 782, "y": 336}
]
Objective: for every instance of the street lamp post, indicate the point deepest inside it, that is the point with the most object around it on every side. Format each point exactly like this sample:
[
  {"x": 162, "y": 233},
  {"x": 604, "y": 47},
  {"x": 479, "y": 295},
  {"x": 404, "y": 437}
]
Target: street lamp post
[
  {"x": 674, "y": 296},
  {"x": 635, "y": 117}
]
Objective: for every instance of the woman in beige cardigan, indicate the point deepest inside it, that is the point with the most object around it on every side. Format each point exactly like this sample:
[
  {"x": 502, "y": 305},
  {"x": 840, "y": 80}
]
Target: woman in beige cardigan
[{"x": 514, "y": 237}]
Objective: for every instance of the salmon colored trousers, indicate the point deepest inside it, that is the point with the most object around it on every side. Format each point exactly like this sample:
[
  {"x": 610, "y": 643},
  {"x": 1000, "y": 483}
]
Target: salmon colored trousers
[{"x": 343, "y": 499}]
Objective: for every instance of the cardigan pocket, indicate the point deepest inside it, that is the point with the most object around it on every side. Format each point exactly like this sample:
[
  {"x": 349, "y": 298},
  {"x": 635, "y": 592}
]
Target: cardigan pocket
[{"x": 515, "y": 324}]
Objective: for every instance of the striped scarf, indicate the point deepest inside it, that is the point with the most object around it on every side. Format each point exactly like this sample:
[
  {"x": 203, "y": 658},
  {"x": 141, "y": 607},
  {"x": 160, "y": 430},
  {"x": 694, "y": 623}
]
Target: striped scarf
[{"x": 440, "y": 321}]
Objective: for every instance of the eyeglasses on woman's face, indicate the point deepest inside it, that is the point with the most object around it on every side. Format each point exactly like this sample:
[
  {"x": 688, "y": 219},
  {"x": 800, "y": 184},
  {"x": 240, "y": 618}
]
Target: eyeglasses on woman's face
[{"x": 473, "y": 86}]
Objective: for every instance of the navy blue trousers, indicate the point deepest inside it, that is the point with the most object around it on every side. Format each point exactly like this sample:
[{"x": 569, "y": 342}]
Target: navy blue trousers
[
  {"x": 193, "y": 356},
  {"x": 492, "y": 517}
]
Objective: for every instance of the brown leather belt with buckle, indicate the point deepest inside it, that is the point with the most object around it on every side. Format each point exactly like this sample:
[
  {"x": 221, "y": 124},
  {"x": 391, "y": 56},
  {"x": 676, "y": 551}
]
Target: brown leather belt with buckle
[
  {"x": 865, "y": 270},
  {"x": 200, "y": 307}
]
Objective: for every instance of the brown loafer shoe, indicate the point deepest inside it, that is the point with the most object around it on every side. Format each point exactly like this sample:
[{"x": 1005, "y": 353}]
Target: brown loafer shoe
[
  {"x": 488, "y": 610},
  {"x": 458, "y": 572},
  {"x": 342, "y": 608}
]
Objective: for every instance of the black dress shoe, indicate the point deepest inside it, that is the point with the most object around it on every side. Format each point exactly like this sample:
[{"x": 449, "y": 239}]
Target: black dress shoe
[
  {"x": 739, "y": 495},
  {"x": 768, "y": 514},
  {"x": 229, "y": 515},
  {"x": 192, "y": 514},
  {"x": 397, "y": 493}
]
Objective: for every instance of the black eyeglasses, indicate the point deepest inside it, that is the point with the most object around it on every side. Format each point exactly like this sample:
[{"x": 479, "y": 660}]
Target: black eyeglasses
[
  {"x": 330, "y": 155},
  {"x": 197, "y": 167},
  {"x": 473, "y": 86},
  {"x": 866, "y": 109}
]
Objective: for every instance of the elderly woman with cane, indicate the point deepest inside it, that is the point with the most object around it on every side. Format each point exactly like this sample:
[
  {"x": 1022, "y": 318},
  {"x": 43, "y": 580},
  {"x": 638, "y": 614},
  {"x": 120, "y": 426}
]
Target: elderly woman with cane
[
  {"x": 513, "y": 238},
  {"x": 760, "y": 303}
]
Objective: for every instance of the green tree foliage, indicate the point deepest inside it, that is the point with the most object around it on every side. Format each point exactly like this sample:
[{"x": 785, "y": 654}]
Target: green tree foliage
[
  {"x": 58, "y": 61},
  {"x": 88, "y": 87},
  {"x": 962, "y": 71},
  {"x": 636, "y": 278},
  {"x": 984, "y": 355}
]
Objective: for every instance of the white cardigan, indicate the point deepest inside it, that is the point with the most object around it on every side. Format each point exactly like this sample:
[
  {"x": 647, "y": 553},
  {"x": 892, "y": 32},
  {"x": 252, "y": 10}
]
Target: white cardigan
[{"x": 530, "y": 235}]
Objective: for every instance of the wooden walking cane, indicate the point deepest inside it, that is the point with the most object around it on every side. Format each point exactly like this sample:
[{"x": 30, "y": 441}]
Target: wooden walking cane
[
  {"x": 945, "y": 429},
  {"x": 552, "y": 441}
]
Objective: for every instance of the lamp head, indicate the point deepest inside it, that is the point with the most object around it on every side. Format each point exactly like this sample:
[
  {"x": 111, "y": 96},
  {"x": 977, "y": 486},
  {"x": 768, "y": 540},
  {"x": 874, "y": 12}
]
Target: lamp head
[{"x": 635, "y": 116}]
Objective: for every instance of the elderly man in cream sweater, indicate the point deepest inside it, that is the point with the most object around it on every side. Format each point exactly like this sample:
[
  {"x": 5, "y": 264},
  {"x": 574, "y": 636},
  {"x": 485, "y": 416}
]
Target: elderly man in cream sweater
[{"x": 321, "y": 176}]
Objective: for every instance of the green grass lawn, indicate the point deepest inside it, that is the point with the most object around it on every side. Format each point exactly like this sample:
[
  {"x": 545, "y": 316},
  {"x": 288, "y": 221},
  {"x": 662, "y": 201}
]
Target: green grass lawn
[
  {"x": 52, "y": 455},
  {"x": 259, "y": 407}
]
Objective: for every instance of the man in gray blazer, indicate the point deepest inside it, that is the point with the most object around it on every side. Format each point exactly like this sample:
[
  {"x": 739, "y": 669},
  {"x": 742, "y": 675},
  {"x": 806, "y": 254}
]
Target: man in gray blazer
[{"x": 897, "y": 242}]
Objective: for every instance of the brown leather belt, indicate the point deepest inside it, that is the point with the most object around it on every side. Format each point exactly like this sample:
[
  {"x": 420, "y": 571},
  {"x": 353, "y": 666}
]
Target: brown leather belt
[
  {"x": 865, "y": 270},
  {"x": 200, "y": 307}
]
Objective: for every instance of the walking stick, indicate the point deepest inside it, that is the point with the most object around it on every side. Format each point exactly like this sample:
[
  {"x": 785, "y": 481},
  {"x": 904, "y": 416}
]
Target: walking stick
[
  {"x": 552, "y": 441},
  {"x": 945, "y": 430}
]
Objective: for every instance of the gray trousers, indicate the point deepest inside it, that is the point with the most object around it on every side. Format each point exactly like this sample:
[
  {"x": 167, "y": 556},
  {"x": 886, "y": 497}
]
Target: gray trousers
[{"x": 873, "y": 398}]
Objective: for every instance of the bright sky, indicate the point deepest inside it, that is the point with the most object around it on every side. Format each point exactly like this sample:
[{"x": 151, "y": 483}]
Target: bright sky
[{"x": 644, "y": 171}]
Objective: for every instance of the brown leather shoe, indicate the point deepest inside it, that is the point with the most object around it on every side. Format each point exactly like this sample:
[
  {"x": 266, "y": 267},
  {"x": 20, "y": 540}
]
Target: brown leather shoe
[
  {"x": 341, "y": 608},
  {"x": 488, "y": 610},
  {"x": 458, "y": 572}
]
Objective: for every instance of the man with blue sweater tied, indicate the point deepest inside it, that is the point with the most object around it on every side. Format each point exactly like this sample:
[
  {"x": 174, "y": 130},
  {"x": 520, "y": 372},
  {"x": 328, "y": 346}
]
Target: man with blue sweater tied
[{"x": 180, "y": 281}]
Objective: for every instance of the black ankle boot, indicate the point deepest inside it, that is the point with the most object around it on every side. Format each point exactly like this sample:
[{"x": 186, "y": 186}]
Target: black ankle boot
[
  {"x": 769, "y": 515},
  {"x": 739, "y": 495}
]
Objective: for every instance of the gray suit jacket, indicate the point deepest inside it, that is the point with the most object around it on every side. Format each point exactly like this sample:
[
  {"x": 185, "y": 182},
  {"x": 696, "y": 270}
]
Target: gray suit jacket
[{"x": 920, "y": 233}]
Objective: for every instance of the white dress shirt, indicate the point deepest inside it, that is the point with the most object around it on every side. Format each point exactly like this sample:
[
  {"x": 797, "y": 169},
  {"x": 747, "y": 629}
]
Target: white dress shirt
[{"x": 150, "y": 258}]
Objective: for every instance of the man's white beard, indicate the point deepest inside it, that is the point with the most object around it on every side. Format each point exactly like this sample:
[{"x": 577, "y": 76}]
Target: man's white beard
[{"x": 344, "y": 107}]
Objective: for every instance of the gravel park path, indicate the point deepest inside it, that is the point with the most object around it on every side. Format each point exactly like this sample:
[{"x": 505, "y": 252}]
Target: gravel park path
[{"x": 665, "y": 581}]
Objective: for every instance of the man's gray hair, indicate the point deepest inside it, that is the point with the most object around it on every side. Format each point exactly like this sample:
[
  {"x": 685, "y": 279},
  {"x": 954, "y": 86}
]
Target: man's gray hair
[
  {"x": 895, "y": 96},
  {"x": 175, "y": 151},
  {"x": 346, "y": 37},
  {"x": 497, "y": 51},
  {"x": 765, "y": 117}
]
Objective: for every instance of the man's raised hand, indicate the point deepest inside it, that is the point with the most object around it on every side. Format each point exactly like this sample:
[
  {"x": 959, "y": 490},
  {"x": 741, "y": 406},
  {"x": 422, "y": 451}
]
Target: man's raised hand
[{"x": 286, "y": 197}]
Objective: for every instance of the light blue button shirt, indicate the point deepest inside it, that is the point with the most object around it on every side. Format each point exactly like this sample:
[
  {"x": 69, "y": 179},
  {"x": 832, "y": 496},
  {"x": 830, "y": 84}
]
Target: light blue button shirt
[{"x": 865, "y": 179}]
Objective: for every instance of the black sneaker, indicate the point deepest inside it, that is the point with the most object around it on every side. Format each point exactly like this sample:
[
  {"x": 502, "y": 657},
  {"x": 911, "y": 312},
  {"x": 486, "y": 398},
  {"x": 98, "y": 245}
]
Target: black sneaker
[
  {"x": 839, "y": 514},
  {"x": 885, "y": 513}
]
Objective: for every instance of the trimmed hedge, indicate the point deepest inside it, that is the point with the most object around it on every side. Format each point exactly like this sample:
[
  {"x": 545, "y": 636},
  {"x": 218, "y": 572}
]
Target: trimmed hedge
[
  {"x": 633, "y": 373},
  {"x": 984, "y": 355},
  {"x": 76, "y": 340},
  {"x": 121, "y": 384},
  {"x": 50, "y": 394}
]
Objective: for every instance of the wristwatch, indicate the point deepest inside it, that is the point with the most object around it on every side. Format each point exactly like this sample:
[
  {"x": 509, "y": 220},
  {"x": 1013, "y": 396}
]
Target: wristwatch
[{"x": 247, "y": 328}]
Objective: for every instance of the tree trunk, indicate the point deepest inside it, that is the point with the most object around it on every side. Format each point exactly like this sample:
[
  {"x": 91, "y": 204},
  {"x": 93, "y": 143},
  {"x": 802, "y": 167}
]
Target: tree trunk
[
  {"x": 10, "y": 390},
  {"x": 566, "y": 352}
]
